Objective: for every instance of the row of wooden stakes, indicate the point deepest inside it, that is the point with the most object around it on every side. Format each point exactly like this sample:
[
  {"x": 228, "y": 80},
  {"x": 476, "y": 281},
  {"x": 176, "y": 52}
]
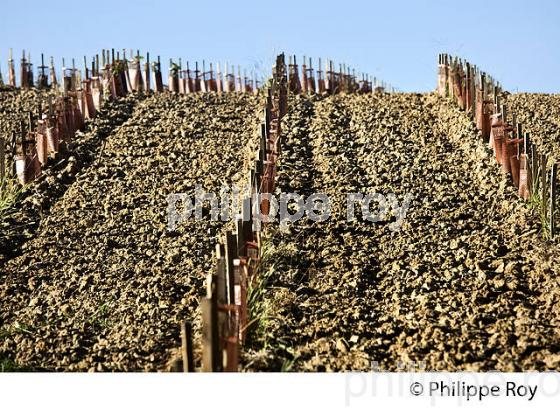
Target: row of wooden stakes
[
  {"x": 186, "y": 81},
  {"x": 225, "y": 307},
  {"x": 81, "y": 97},
  {"x": 225, "y": 310},
  {"x": 330, "y": 81},
  {"x": 112, "y": 75},
  {"x": 480, "y": 96},
  {"x": 43, "y": 136}
]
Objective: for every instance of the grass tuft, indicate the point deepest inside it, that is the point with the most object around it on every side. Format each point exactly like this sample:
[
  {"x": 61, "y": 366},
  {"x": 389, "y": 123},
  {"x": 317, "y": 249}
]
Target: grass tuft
[
  {"x": 258, "y": 306},
  {"x": 540, "y": 205},
  {"x": 10, "y": 190},
  {"x": 7, "y": 365}
]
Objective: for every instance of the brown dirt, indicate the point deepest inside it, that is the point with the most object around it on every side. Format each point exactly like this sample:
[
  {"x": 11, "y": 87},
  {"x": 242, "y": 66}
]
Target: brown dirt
[
  {"x": 20, "y": 223},
  {"x": 540, "y": 115},
  {"x": 466, "y": 284},
  {"x": 103, "y": 285}
]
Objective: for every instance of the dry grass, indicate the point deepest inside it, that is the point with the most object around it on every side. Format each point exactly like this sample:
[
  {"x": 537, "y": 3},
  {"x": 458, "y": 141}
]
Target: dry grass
[{"x": 10, "y": 190}]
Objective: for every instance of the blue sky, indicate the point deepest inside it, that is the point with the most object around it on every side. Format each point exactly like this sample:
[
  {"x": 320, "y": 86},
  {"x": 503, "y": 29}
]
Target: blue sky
[{"x": 398, "y": 41}]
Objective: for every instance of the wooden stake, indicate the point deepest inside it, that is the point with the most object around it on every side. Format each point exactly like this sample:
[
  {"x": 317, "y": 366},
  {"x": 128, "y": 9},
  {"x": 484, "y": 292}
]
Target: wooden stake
[
  {"x": 473, "y": 91},
  {"x": 211, "y": 361},
  {"x": 543, "y": 184},
  {"x": 147, "y": 74},
  {"x": 230, "y": 255},
  {"x": 2, "y": 162},
  {"x": 247, "y": 221},
  {"x": 187, "y": 347},
  {"x": 552, "y": 223},
  {"x": 221, "y": 276},
  {"x": 24, "y": 72},
  {"x": 533, "y": 170},
  {"x": 519, "y": 135},
  {"x": 241, "y": 240}
]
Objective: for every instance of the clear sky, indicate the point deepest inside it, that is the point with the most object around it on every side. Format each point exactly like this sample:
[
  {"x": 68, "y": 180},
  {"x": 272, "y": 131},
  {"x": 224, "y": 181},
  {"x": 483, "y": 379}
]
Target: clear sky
[{"x": 398, "y": 41}]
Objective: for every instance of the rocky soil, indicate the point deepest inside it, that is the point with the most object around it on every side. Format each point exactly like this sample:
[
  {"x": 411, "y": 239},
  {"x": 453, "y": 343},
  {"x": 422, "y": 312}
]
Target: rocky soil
[
  {"x": 103, "y": 285},
  {"x": 15, "y": 105},
  {"x": 540, "y": 115},
  {"x": 92, "y": 280},
  {"x": 465, "y": 284},
  {"x": 20, "y": 223}
]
